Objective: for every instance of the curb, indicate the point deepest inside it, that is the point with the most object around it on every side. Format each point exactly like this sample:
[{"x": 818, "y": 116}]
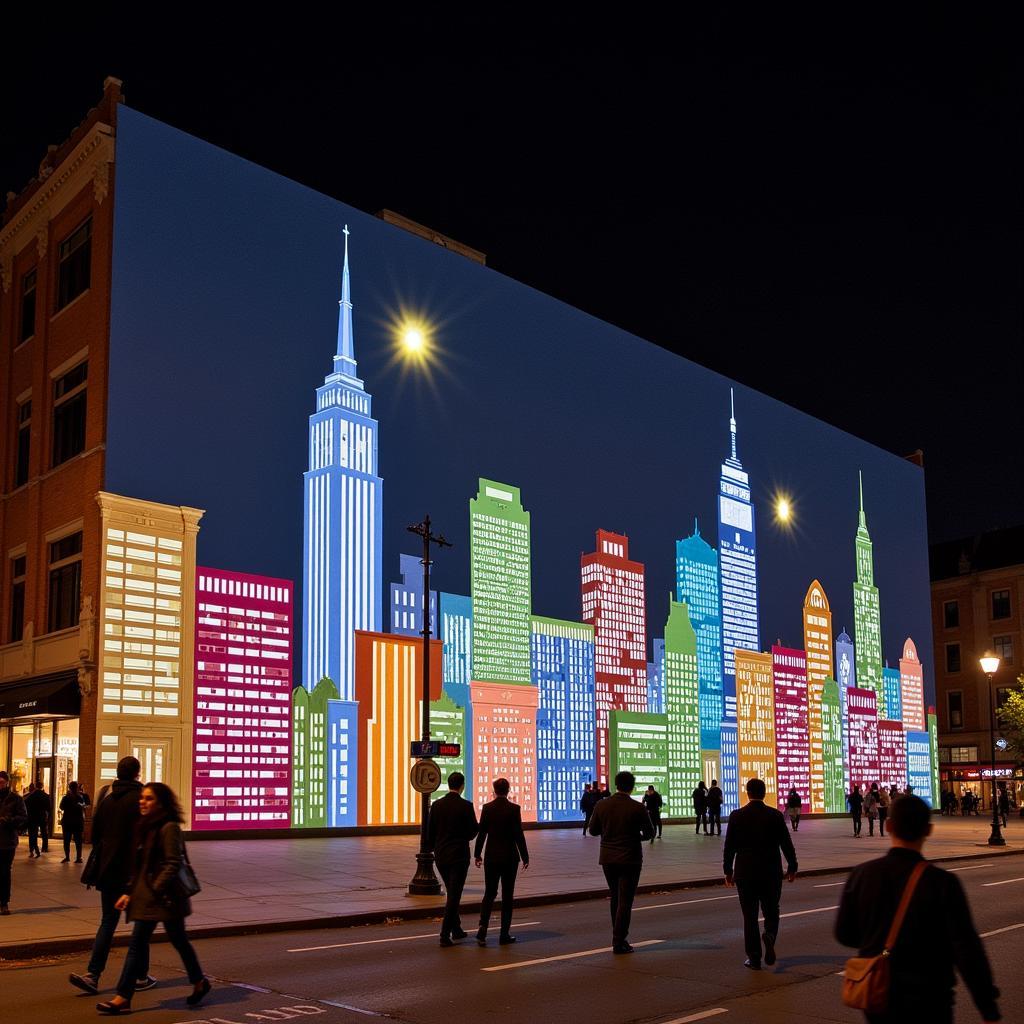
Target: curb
[{"x": 55, "y": 947}]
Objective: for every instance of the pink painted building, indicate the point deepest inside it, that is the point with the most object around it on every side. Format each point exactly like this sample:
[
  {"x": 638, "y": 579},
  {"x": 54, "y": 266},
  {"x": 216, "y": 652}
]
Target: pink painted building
[
  {"x": 241, "y": 774},
  {"x": 792, "y": 739},
  {"x": 505, "y": 743},
  {"x": 912, "y": 688},
  {"x": 862, "y": 716},
  {"x": 892, "y": 754}
]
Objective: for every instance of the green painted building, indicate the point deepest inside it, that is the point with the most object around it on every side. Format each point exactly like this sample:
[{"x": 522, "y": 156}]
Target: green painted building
[
  {"x": 681, "y": 690},
  {"x": 867, "y": 623},
  {"x": 448, "y": 724},
  {"x": 933, "y": 751},
  {"x": 310, "y": 753},
  {"x": 832, "y": 747},
  {"x": 499, "y": 537},
  {"x": 638, "y": 743}
]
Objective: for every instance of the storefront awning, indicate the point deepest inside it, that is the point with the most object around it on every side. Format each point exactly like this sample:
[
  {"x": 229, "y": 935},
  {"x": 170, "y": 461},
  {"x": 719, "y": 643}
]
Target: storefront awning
[{"x": 55, "y": 694}]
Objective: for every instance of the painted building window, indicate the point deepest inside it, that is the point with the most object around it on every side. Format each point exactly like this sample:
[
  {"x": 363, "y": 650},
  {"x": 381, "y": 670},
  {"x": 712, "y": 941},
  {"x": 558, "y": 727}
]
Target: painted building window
[
  {"x": 21, "y": 452},
  {"x": 69, "y": 397},
  {"x": 1000, "y": 604},
  {"x": 952, "y": 657},
  {"x": 951, "y": 614},
  {"x": 18, "y": 567},
  {"x": 1003, "y": 646},
  {"x": 955, "y": 707},
  {"x": 28, "y": 307},
  {"x": 65, "y": 582},
  {"x": 73, "y": 269}
]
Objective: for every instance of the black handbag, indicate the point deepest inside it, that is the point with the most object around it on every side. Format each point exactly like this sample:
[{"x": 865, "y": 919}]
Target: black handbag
[
  {"x": 91, "y": 871},
  {"x": 185, "y": 882}
]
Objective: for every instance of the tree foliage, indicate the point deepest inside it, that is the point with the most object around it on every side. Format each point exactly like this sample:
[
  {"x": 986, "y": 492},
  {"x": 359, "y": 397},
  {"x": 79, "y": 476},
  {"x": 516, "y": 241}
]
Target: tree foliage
[{"x": 1011, "y": 719}]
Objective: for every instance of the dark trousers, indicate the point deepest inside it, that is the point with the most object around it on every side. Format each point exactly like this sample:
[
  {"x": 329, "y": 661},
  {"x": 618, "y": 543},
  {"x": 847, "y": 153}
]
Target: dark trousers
[
  {"x": 35, "y": 830},
  {"x": 656, "y": 822},
  {"x": 856, "y": 822},
  {"x": 702, "y": 819},
  {"x": 763, "y": 894},
  {"x": 883, "y": 813},
  {"x": 505, "y": 873},
  {"x": 934, "y": 1013},
  {"x": 6, "y": 860},
  {"x": 110, "y": 918},
  {"x": 454, "y": 878},
  {"x": 76, "y": 835},
  {"x": 715, "y": 820},
  {"x": 586, "y": 821},
  {"x": 622, "y": 882},
  {"x": 136, "y": 963}
]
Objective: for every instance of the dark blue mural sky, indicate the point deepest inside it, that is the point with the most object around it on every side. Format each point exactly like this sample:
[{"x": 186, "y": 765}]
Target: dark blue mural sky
[{"x": 224, "y": 321}]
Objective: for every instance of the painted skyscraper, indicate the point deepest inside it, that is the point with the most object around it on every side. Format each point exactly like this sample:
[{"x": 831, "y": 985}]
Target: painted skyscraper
[
  {"x": 911, "y": 688},
  {"x": 818, "y": 647},
  {"x": 342, "y": 497},
  {"x": 893, "y": 697},
  {"x": 407, "y": 600},
  {"x": 867, "y": 625},
  {"x": 681, "y": 704},
  {"x": 792, "y": 747},
  {"x": 697, "y": 585},
  {"x": 892, "y": 754},
  {"x": 755, "y": 722},
  {"x": 832, "y": 749},
  {"x": 456, "y": 632},
  {"x": 614, "y": 604},
  {"x": 862, "y": 712},
  {"x": 846, "y": 676}
]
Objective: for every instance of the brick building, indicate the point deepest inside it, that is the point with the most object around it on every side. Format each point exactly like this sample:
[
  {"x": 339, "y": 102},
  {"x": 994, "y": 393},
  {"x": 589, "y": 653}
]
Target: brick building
[{"x": 977, "y": 593}]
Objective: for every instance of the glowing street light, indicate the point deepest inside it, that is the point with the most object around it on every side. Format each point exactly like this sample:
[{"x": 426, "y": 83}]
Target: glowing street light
[{"x": 989, "y": 665}]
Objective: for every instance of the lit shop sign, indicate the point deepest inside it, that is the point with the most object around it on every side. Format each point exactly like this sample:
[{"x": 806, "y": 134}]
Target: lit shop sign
[{"x": 996, "y": 773}]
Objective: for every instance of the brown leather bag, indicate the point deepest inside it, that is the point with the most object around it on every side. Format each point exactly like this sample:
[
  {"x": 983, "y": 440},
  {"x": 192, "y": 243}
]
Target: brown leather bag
[{"x": 866, "y": 978}]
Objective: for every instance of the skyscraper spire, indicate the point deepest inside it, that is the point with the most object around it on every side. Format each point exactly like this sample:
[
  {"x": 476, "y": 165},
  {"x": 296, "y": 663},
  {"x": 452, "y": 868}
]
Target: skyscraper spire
[
  {"x": 862, "y": 520},
  {"x": 732, "y": 425},
  {"x": 345, "y": 360}
]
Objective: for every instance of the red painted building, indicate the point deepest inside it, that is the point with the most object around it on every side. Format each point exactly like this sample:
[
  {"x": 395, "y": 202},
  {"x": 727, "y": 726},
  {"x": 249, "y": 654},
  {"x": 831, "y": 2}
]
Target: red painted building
[
  {"x": 505, "y": 743},
  {"x": 862, "y": 715},
  {"x": 892, "y": 754},
  {"x": 792, "y": 740}
]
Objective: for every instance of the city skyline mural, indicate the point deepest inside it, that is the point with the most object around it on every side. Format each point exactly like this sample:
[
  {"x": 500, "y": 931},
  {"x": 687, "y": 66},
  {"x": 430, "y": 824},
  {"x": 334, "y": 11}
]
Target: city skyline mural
[{"x": 571, "y": 466}]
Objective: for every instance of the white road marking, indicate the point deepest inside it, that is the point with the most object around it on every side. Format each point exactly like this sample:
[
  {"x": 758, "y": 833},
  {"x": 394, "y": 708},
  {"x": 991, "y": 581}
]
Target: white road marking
[
  {"x": 817, "y": 910},
  {"x": 685, "y": 903},
  {"x": 395, "y": 938},
  {"x": 999, "y": 931},
  {"x": 254, "y": 988},
  {"x": 349, "y": 1006},
  {"x": 1005, "y": 881},
  {"x": 703, "y": 1015},
  {"x": 566, "y": 956},
  {"x": 970, "y": 867},
  {"x": 829, "y": 885}
]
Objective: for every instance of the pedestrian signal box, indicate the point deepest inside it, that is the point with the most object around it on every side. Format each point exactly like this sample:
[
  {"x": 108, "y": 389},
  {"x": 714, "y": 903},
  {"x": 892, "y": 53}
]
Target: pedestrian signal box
[{"x": 434, "y": 748}]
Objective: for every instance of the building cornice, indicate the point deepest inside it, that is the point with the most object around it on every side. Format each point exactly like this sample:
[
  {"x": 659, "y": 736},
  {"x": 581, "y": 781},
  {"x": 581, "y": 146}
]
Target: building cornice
[{"x": 178, "y": 518}]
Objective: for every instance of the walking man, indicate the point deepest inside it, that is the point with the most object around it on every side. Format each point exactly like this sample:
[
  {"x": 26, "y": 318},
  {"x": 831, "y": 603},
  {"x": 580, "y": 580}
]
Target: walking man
[
  {"x": 652, "y": 801},
  {"x": 501, "y": 828},
  {"x": 623, "y": 825},
  {"x": 12, "y": 817},
  {"x": 72, "y": 821},
  {"x": 450, "y": 827},
  {"x": 937, "y": 933},
  {"x": 754, "y": 838},
  {"x": 700, "y": 807},
  {"x": 113, "y": 842},
  {"x": 715, "y": 801},
  {"x": 587, "y": 803},
  {"x": 856, "y": 804},
  {"x": 37, "y": 806},
  {"x": 884, "y": 800}
]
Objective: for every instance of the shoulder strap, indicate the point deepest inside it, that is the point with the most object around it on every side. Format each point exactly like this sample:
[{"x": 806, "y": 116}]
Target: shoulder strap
[{"x": 908, "y": 892}]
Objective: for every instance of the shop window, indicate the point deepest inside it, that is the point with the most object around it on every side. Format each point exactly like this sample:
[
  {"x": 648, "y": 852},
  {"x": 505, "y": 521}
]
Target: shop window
[
  {"x": 27, "y": 326},
  {"x": 955, "y": 707},
  {"x": 65, "y": 582},
  {"x": 69, "y": 396},
  {"x": 22, "y": 447},
  {"x": 17, "y": 624},
  {"x": 1000, "y": 604},
  {"x": 951, "y": 614},
  {"x": 1003, "y": 646},
  {"x": 74, "y": 267},
  {"x": 952, "y": 657}
]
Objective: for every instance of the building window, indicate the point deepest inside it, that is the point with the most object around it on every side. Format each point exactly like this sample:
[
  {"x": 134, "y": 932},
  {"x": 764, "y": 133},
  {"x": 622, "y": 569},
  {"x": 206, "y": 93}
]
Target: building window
[
  {"x": 73, "y": 270},
  {"x": 21, "y": 451},
  {"x": 952, "y": 657},
  {"x": 1003, "y": 646},
  {"x": 28, "y": 307},
  {"x": 69, "y": 414},
  {"x": 1000, "y": 604},
  {"x": 963, "y": 755},
  {"x": 65, "y": 582},
  {"x": 944, "y": 755},
  {"x": 951, "y": 614},
  {"x": 1002, "y": 692},
  {"x": 17, "y": 598},
  {"x": 955, "y": 706}
]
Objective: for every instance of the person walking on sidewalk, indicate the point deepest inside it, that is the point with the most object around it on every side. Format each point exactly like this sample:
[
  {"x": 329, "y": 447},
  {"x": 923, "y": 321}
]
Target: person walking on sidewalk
[
  {"x": 623, "y": 825},
  {"x": 450, "y": 827},
  {"x": 793, "y": 804},
  {"x": 154, "y": 895},
  {"x": 12, "y": 819},
  {"x": 501, "y": 828},
  {"x": 855, "y": 801},
  {"x": 871, "y": 804},
  {"x": 715, "y": 801},
  {"x": 37, "y": 806},
  {"x": 587, "y": 803},
  {"x": 652, "y": 801},
  {"x": 700, "y": 807},
  {"x": 754, "y": 838},
  {"x": 113, "y": 832},
  {"x": 72, "y": 821},
  {"x": 937, "y": 933},
  {"x": 884, "y": 800}
]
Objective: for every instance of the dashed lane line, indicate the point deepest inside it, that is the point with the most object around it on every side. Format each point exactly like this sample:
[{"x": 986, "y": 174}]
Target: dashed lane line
[
  {"x": 816, "y": 910},
  {"x": 970, "y": 867},
  {"x": 685, "y": 903},
  {"x": 566, "y": 956},
  {"x": 1005, "y": 881},
  {"x": 829, "y": 885},
  {"x": 376, "y": 942},
  {"x": 999, "y": 931},
  {"x": 703, "y": 1015}
]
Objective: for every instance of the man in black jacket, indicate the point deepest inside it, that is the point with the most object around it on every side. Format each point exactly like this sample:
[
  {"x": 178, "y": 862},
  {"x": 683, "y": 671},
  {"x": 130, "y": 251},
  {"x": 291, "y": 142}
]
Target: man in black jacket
[
  {"x": 754, "y": 837},
  {"x": 450, "y": 827},
  {"x": 587, "y": 804},
  {"x": 937, "y": 934},
  {"x": 113, "y": 833},
  {"x": 623, "y": 825},
  {"x": 501, "y": 828},
  {"x": 12, "y": 817},
  {"x": 37, "y": 805}
]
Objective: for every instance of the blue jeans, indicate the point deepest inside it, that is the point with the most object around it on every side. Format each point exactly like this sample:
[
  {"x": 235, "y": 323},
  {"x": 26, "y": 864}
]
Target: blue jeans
[
  {"x": 136, "y": 963},
  {"x": 110, "y": 918}
]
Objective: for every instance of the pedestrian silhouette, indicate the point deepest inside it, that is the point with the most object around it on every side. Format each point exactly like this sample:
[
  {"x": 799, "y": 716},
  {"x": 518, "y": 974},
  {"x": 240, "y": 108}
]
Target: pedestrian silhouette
[
  {"x": 503, "y": 845},
  {"x": 450, "y": 827}
]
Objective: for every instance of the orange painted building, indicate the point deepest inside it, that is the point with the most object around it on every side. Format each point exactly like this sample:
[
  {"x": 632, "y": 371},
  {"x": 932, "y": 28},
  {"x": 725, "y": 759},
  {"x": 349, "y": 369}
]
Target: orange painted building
[
  {"x": 388, "y": 687},
  {"x": 818, "y": 648},
  {"x": 505, "y": 743}
]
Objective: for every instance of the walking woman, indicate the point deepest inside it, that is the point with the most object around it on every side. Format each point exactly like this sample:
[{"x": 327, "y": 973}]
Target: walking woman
[
  {"x": 700, "y": 807},
  {"x": 871, "y": 805},
  {"x": 154, "y": 894},
  {"x": 856, "y": 802},
  {"x": 793, "y": 804}
]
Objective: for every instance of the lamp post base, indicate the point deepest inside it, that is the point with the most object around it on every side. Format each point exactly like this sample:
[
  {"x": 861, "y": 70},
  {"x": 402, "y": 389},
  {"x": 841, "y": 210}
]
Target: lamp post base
[
  {"x": 996, "y": 838},
  {"x": 424, "y": 882}
]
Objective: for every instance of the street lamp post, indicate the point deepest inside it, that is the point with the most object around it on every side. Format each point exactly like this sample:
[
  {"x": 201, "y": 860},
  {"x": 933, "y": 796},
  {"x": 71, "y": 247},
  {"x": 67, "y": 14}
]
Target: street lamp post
[
  {"x": 989, "y": 665},
  {"x": 424, "y": 882}
]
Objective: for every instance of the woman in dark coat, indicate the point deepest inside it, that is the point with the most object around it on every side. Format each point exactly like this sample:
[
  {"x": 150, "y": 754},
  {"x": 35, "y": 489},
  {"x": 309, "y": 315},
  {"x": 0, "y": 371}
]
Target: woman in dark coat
[
  {"x": 72, "y": 821},
  {"x": 153, "y": 895},
  {"x": 700, "y": 807}
]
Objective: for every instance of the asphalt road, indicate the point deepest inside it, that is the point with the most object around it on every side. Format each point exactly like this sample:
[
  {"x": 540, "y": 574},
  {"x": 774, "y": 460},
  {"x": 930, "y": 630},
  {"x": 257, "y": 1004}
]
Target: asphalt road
[{"x": 687, "y": 967}]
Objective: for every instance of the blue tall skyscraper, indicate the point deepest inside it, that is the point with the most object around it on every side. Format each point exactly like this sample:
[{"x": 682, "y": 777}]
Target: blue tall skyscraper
[
  {"x": 737, "y": 567},
  {"x": 456, "y": 633},
  {"x": 893, "y": 698},
  {"x": 846, "y": 676},
  {"x": 697, "y": 585},
  {"x": 656, "y": 679},
  {"x": 342, "y": 500},
  {"x": 562, "y": 668},
  {"x": 407, "y": 600}
]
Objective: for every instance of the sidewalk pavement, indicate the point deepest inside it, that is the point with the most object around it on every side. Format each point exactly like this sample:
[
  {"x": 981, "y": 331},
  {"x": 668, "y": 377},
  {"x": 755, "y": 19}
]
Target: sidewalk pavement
[{"x": 289, "y": 884}]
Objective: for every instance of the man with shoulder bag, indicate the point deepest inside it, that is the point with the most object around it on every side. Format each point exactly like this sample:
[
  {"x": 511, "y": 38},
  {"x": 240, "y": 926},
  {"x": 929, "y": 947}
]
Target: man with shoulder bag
[{"x": 912, "y": 925}]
